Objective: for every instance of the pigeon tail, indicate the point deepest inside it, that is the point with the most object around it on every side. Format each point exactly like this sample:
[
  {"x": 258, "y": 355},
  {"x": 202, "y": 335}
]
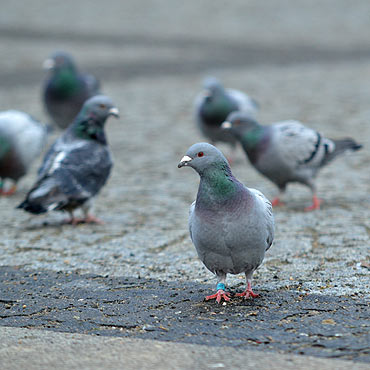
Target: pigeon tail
[
  {"x": 341, "y": 146},
  {"x": 35, "y": 208}
]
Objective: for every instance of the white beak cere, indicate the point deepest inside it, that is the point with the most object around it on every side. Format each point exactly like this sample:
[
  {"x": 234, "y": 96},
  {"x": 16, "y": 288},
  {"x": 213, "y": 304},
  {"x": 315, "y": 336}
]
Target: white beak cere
[
  {"x": 48, "y": 64},
  {"x": 226, "y": 125},
  {"x": 184, "y": 161},
  {"x": 114, "y": 112}
]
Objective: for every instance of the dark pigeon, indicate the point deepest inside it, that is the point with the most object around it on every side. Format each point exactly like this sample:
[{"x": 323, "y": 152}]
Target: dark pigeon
[
  {"x": 22, "y": 139},
  {"x": 213, "y": 106},
  {"x": 230, "y": 225},
  {"x": 286, "y": 151},
  {"x": 76, "y": 166},
  {"x": 66, "y": 89}
]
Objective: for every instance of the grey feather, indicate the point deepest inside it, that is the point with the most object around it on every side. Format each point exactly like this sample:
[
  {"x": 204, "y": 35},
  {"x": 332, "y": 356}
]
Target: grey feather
[{"x": 22, "y": 139}]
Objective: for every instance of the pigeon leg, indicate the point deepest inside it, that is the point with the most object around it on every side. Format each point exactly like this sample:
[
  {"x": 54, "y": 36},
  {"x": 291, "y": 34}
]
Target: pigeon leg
[
  {"x": 220, "y": 290},
  {"x": 315, "y": 204},
  {"x": 276, "y": 201},
  {"x": 9, "y": 192},
  {"x": 248, "y": 292},
  {"x": 72, "y": 220},
  {"x": 90, "y": 219}
]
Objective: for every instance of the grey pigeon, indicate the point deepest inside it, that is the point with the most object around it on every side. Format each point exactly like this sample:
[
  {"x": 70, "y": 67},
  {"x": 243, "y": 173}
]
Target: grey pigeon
[
  {"x": 21, "y": 140},
  {"x": 230, "y": 225},
  {"x": 76, "y": 166},
  {"x": 66, "y": 89},
  {"x": 286, "y": 151},
  {"x": 213, "y": 106}
]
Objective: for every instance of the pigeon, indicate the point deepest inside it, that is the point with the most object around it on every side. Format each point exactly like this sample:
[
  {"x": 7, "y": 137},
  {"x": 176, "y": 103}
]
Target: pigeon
[
  {"x": 66, "y": 89},
  {"x": 286, "y": 151},
  {"x": 22, "y": 139},
  {"x": 76, "y": 166},
  {"x": 230, "y": 225},
  {"x": 213, "y": 106}
]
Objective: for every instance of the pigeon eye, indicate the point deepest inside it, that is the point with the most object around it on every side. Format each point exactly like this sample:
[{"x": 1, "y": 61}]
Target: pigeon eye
[
  {"x": 200, "y": 154},
  {"x": 102, "y": 106}
]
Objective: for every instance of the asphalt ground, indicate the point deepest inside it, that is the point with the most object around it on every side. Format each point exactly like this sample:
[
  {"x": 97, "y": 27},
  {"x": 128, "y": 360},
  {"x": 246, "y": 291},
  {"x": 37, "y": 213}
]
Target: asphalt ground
[{"x": 132, "y": 276}]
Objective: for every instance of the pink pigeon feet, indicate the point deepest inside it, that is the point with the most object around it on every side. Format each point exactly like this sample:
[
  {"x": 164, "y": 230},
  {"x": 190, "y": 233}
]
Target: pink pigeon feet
[
  {"x": 276, "y": 202},
  {"x": 248, "y": 292},
  {"x": 219, "y": 295},
  {"x": 315, "y": 204},
  {"x": 9, "y": 192},
  {"x": 89, "y": 219}
]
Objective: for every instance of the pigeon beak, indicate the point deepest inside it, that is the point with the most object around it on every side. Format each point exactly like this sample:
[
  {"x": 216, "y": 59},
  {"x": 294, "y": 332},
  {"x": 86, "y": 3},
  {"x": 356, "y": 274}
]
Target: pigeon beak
[
  {"x": 226, "y": 125},
  {"x": 114, "y": 112},
  {"x": 48, "y": 64},
  {"x": 184, "y": 161},
  {"x": 206, "y": 94}
]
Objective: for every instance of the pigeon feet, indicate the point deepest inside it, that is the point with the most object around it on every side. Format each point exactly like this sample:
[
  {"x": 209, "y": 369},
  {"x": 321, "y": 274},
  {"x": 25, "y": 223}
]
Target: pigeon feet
[
  {"x": 276, "y": 202},
  {"x": 219, "y": 295},
  {"x": 9, "y": 192},
  {"x": 315, "y": 204},
  {"x": 84, "y": 220},
  {"x": 248, "y": 293}
]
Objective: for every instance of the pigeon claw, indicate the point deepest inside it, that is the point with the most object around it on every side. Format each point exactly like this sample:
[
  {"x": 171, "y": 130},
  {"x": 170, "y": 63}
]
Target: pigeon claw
[
  {"x": 86, "y": 220},
  {"x": 9, "y": 192},
  {"x": 276, "y": 202},
  {"x": 219, "y": 295},
  {"x": 315, "y": 204},
  {"x": 248, "y": 293}
]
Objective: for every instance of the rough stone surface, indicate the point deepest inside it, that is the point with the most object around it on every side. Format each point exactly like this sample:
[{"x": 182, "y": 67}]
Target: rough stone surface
[
  {"x": 297, "y": 62},
  {"x": 283, "y": 320}
]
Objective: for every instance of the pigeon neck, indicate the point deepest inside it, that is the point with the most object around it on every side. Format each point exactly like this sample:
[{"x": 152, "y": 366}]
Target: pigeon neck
[
  {"x": 4, "y": 146},
  {"x": 89, "y": 129},
  {"x": 216, "y": 111},
  {"x": 251, "y": 140},
  {"x": 217, "y": 184},
  {"x": 65, "y": 83}
]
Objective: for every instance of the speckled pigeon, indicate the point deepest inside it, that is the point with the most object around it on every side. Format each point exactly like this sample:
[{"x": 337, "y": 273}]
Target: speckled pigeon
[
  {"x": 21, "y": 140},
  {"x": 76, "y": 166},
  {"x": 213, "y": 106},
  {"x": 286, "y": 151},
  {"x": 66, "y": 89},
  {"x": 230, "y": 225}
]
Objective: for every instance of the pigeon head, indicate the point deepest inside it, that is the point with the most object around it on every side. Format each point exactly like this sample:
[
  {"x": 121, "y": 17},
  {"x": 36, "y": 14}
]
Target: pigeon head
[
  {"x": 59, "y": 61},
  {"x": 217, "y": 103},
  {"x": 98, "y": 108},
  {"x": 89, "y": 123},
  {"x": 239, "y": 123},
  {"x": 202, "y": 156}
]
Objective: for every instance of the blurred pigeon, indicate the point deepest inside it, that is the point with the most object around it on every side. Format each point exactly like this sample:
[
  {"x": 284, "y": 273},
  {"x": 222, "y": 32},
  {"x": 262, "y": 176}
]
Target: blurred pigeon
[
  {"x": 21, "y": 141},
  {"x": 286, "y": 151},
  {"x": 66, "y": 89},
  {"x": 230, "y": 225},
  {"x": 76, "y": 166},
  {"x": 214, "y": 105}
]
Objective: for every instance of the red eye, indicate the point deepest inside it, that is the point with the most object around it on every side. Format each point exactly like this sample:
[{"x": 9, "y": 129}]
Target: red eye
[{"x": 200, "y": 154}]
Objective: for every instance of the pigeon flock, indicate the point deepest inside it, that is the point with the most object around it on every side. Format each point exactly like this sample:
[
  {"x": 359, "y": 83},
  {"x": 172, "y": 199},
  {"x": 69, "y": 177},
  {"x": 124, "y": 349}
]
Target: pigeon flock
[{"x": 230, "y": 225}]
